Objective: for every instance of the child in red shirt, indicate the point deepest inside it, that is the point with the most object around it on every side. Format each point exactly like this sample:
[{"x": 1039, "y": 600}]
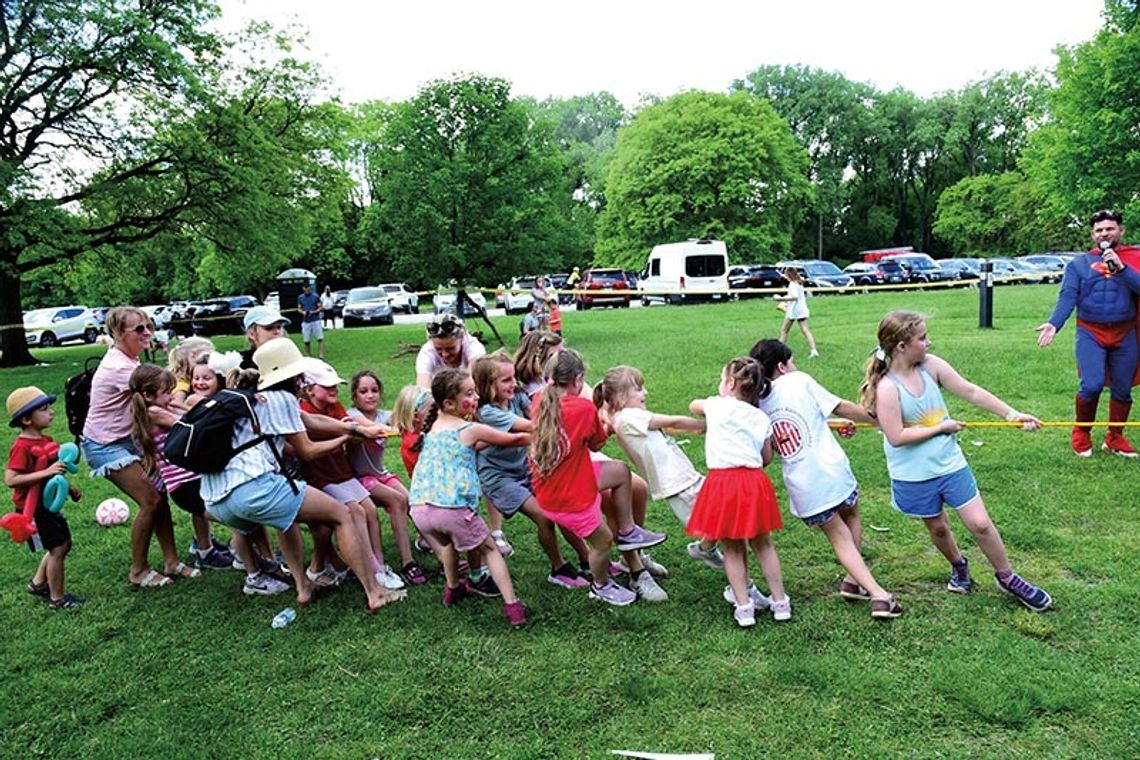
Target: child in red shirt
[{"x": 566, "y": 481}]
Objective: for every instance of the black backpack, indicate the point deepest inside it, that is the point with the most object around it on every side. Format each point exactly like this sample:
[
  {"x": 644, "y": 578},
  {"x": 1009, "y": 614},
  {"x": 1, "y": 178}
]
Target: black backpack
[
  {"x": 77, "y": 396},
  {"x": 202, "y": 441}
]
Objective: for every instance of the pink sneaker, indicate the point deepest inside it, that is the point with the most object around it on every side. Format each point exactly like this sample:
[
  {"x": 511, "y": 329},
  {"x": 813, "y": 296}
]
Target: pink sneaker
[
  {"x": 453, "y": 595},
  {"x": 515, "y": 613}
]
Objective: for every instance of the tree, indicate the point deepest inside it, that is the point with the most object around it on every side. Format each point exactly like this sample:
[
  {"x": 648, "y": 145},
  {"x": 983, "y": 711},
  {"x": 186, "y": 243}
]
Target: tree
[
  {"x": 467, "y": 189},
  {"x": 704, "y": 165}
]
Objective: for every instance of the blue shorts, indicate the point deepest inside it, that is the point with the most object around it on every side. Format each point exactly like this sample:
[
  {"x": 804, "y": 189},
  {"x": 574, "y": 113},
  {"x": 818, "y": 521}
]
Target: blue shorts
[
  {"x": 108, "y": 457},
  {"x": 268, "y": 499},
  {"x": 925, "y": 498},
  {"x": 825, "y": 516},
  {"x": 507, "y": 496}
]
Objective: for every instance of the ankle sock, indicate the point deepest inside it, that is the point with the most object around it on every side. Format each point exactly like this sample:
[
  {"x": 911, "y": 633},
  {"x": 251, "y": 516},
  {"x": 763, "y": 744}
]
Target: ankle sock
[{"x": 1004, "y": 575}]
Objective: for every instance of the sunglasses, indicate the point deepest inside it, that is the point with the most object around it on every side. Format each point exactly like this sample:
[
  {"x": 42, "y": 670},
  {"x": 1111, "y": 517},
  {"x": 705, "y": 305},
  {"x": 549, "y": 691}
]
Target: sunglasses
[
  {"x": 140, "y": 328},
  {"x": 1107, "y": 215},
  {"x": 444, "y": 329}
]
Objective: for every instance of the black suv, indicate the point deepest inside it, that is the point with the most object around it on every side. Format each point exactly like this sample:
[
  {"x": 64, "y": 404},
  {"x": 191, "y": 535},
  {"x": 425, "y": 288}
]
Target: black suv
[
  {"x": 222, "y": 316},
  {"x": 754, "y": 277}
]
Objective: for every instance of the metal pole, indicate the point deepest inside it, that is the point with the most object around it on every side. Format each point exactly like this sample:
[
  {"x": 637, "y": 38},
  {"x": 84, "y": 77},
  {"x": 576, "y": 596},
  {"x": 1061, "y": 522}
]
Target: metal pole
[{"x": 986, "y": 296}]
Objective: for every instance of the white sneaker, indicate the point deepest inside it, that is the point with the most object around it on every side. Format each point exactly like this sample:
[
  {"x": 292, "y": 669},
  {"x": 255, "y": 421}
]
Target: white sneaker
[
  {"x": 655, "y": 568},
  {"x": 501, "y": 543},
  {"x": 814, "y": 354},
  {"x": 648, "y": 589},
  {"x": 263, "y": 585},
  {"x": 746, "y": 615},
  {"x": 758, "y": 599},
  {"x": 389, "y": 579},
  {"x": 782, "y": 609},
  {"x": 713, "y": 557}
]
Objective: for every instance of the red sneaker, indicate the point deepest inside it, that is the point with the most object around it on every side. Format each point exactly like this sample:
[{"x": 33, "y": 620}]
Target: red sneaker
[
  {"x": 1118, "y": 444},
  {"x": 1082, "y": 442}
]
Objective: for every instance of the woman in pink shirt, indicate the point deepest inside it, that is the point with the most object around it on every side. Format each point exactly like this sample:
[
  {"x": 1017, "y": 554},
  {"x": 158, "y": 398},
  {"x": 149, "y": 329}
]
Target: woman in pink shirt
[{"x": 110, "y": 452}]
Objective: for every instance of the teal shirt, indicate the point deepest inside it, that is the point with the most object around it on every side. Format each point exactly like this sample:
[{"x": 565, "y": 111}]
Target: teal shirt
[
  {"x": 934, "y": 457},
  {"x": 445, "y": 475}
]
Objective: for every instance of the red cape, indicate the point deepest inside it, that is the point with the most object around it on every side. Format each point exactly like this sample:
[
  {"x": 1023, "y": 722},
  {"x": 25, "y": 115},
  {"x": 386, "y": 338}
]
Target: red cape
[{"x": 1130, "y": 255}]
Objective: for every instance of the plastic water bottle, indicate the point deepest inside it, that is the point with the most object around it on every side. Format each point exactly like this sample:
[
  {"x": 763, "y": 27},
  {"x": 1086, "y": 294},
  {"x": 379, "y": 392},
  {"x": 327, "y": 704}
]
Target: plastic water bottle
[{"x": 284, "y": 617}]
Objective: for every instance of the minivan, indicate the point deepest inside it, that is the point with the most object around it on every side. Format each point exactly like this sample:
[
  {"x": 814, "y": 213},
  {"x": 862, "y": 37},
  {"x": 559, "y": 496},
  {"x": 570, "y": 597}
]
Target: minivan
[{"x": 695, "y": 270}]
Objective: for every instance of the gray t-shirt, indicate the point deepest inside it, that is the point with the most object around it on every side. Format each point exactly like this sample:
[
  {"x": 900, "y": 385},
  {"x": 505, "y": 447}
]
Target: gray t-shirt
[{"x": 498, "y": 463}]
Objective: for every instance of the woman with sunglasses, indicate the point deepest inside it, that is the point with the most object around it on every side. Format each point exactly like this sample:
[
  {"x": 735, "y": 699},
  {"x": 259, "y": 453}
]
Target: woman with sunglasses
[
  {"x": 111, "y": 452},
  {"x": 448, "y": 345}
]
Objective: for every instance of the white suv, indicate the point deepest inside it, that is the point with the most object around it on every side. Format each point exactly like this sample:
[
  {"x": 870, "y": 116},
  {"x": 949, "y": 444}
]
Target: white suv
[
  {"x": 48, "y": 328},
  {"x": 401, "y": 297}
]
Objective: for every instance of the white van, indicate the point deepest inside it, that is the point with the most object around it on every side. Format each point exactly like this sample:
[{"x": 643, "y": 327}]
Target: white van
[{"x": 695, "y": 270}]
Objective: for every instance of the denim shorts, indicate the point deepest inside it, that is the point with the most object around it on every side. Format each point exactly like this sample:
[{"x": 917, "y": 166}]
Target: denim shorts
[
  {"x": 268, "y": 499},
  {"x": 103, "y": 458},
  {"x": 820, "y": 518},
  {"x": 925, "y": 498}
]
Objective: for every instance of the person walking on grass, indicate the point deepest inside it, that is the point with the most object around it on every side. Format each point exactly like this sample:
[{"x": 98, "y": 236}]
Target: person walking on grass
[
  {"x": 796, "y": 311},
  {"x": 328, "y": 308},
  {"x": 1103, "y": 289},
  {"x": 926, "y": 465},
  {"x": 817, "y": 474},
  {"x": 311, "y": 329},
  {"x": 737, "y": 504},
  {"x": 30, "y": 410}
]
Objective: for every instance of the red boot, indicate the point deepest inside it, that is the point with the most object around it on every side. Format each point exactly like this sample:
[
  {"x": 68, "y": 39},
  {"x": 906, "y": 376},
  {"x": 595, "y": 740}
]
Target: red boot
[
  {"x": 1114, "y": 439},
  {"x": 1082, "y": 436}
]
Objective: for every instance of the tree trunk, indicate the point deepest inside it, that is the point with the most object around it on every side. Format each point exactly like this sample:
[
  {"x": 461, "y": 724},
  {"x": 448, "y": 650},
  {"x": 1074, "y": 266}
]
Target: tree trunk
[{"x": 13, "y": 342}]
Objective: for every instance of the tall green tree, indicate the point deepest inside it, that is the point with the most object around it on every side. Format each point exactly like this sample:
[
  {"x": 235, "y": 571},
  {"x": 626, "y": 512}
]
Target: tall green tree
[
  {"x": 704, "y": 165},
  {"x": 468, "y": 187}
]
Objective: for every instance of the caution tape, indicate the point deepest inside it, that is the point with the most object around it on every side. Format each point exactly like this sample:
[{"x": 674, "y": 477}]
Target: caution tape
[{"x": 836, "y": 424}]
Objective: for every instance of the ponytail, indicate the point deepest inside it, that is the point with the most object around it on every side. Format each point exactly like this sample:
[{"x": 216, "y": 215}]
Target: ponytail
[
  {"x": 146, "y": 380},
  {"x": 551, "y": 443},
  {"x": 895, "y": 328}
]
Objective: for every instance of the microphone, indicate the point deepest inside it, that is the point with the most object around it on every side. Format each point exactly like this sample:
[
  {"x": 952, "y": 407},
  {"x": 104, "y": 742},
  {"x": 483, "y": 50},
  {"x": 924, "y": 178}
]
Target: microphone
[{"x": 1106, "y": 247}]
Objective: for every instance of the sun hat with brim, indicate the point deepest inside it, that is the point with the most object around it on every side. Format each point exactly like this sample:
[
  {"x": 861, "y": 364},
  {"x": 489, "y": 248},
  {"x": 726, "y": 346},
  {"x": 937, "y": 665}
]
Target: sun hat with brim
[
  {"x": 24, "y": 401},
  {"x": 265, "y": 316},
  {"x": 280, "y": 359},
  {"x": 324, "y": 375}
]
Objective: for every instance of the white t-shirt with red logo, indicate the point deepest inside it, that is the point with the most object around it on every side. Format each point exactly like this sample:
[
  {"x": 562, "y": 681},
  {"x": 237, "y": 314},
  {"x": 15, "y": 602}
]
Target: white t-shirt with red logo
[{"x": 817, "y": 473}]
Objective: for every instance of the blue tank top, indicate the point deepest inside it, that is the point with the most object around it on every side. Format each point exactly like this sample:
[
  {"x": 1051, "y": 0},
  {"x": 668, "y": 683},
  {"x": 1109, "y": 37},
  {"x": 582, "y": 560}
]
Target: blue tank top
[
  {"x": 445, "y": 474},
  {"x": 935, "y": 456}
]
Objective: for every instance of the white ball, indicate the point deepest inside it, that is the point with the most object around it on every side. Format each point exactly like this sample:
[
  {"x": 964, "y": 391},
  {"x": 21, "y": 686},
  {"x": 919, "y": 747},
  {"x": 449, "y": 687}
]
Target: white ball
[{"x": 112, "y": 512}]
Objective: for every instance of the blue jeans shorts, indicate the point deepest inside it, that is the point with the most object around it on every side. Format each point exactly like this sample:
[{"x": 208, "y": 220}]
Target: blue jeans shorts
[
  {"x": 925, "y": 498},
  {"x": 268, "y": 499},
  {"x": 825, "y": 516},
  {"x": 103, "y": 458}
]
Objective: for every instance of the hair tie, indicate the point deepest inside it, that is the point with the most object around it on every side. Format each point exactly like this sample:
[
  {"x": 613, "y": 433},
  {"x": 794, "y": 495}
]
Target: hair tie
[
  {"x": 880, "y": 354},
  {"x": 421, "y": 397}
]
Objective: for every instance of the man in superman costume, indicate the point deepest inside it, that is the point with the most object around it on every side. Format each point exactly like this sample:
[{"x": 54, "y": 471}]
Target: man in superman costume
[{"x": 1107, "y": 348}]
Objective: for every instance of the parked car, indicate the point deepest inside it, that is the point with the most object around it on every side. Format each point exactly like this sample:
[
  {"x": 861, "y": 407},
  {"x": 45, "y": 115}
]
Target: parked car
[
  {"x": 339, "y": 299},
  {"x": 920, "y": 267},
  {"x": 819, "y": 274},
  {"x": 559, "y": 283},
  {"x": 882, "y": 272},
  {"x": 159, "y": 314},
  {"x": 685, "y": 272},
  {"x": 600, "y": 285},
  {"x": 1027, "y": 274},
  {"x": 273, "y": 301},
  {"x": 367, "y": 306},
  {"x": 222, "y": 316},
  {"x": 752, "y": 277},
  {"x": 181, "y": 313},
  {"x": 444, "y": 300},
  {"x": 48, "y": 328},
  {"x": 401, "y": 297},
  {"x": 1047, "y": 262},
  {"x": 517, "y": 297},
  {"x": 960, "y": 269}
]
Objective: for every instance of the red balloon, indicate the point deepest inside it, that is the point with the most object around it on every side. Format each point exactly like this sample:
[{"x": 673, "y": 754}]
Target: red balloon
[{"x": 19, "y": 527}]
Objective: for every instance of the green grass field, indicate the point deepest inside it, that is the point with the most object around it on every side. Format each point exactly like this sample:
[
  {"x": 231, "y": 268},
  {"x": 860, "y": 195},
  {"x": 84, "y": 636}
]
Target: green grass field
[{"x": 196, "y": 671}]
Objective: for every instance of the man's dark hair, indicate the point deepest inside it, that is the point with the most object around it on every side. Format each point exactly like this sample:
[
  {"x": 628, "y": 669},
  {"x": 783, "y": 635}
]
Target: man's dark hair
[{"x": 1107, "y": 215}]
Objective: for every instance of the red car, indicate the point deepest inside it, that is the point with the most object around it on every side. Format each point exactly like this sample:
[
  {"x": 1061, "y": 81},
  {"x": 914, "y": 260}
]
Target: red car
[{"x": 606, "y": 287}]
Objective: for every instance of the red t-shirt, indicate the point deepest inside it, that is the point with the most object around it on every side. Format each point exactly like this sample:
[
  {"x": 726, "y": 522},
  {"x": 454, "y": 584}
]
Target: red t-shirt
[
  {"x": 331, "y": 468},
  {"x": 571, "y": 487},
  {"x": 22, "y": 461},
  {"x": 407, "y": 441}
]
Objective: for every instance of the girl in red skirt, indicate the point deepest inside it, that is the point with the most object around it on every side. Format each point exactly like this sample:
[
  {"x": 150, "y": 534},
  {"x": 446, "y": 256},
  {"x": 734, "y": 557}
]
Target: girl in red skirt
[{"x": 737, "y": 504}]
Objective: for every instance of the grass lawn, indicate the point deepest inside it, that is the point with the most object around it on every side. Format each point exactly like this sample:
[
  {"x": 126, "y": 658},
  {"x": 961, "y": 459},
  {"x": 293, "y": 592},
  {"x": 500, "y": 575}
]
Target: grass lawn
[{"x": 196, "y": 671}]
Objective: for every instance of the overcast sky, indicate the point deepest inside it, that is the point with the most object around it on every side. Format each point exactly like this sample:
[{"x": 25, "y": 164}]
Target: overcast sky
[{"x": 387, "y": 50}]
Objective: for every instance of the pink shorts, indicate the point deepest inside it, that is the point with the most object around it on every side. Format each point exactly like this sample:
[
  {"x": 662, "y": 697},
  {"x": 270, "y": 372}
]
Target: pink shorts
[
  {"x": 388, "y": 480},
  {"x": 461, "y": 527},
  {"x": 581, "y": 523}
]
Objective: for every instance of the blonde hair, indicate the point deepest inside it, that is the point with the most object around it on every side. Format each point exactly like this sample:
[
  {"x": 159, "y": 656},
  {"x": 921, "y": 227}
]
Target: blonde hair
[
  {"x": 146, "y": 380},
  {"x": 550, "y": 442},
  {"x": 242, "y": 379},
  {"x": 616, "y": 386},
  {"x": 409, "y": 401},
  {"x": 533, "y": 353},
  {"x": 116, "y": 320},
  {"x": 485, "y": 372},
  {"x": 895, "y": 328},
  {"x": 182, "y": 357}
]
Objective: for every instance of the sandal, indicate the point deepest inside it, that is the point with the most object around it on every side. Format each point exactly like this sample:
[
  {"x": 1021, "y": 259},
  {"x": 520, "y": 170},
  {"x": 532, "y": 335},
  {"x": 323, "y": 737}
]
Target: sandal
[
  {"x": 414, "y": 574},
  {"x": 321, "y": 580},
  {"x": 36, "y": 589},
  {"x": 152, "y": 579},
  {"x": 67, "y": 602},
  {"x": 182, "y": 570}
]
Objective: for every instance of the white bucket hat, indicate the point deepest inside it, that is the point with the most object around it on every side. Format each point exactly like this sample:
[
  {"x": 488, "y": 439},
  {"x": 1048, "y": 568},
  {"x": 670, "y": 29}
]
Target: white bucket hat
[{"x": 280, "y": 359}]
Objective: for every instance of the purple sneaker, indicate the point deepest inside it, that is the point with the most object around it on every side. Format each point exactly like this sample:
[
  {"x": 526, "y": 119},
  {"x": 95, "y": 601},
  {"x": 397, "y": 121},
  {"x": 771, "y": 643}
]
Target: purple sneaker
[
  {"x": 638, "y": 537},
  {"x": 611, "y": 593},
  {"x": 1036, "y": 599},
  {"x": 566, "y": 577},
  {"x": 453, "y": 594},
  {"x": 515, "y": 613}
]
